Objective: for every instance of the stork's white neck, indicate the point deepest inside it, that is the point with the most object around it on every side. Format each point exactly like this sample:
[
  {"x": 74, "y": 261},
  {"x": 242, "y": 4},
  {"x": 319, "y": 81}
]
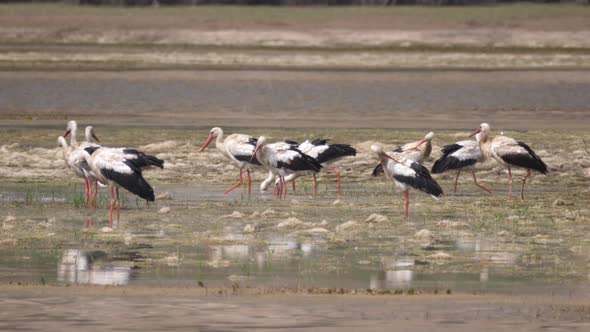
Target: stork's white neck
[
  {"x": 65, "y": 148},
  {"x": 73, "y": 133},
  {"x": 484, "y": 143},
  {"x": 219, "y": 142},
  {"x": 88, "y": 135}
]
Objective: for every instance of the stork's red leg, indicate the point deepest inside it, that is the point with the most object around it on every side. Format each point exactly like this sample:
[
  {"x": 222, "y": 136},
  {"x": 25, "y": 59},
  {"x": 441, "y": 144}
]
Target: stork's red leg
[
  {"x": 118, "y": 204},
  {"x": 293, "y": 184},
  {"x": 407, "y": 203},
  {"x": 280, "y": 188},
  {"x": 510, "y": 181},
  {"x": 339, "y": 187},
  {"x": 479, "y": 185},
  {"x": 528, "y": 173},
  {"x": 95, "y": 194},
  {"x": 315, "y": 185},
  {"x": 112, "y": 206},
  {"x": 277, "y": 189},
  {"x": 337, "y": 171},
  {"x": 284, "y": 187},
  {"x": 237, "y": 185},
  {"x": 249, "y": 181},
  {"x": 86, "y": 190},
  {"x": 456, "y": 179}
]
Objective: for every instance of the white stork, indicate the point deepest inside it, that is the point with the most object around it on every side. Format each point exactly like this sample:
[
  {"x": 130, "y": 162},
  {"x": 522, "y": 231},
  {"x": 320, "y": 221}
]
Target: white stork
[
  {"x": 325, "y": 154},
  {"x": 509, "y": 153},
  {"x": 283, "y": 159},
  {"x": 75, "y": 158},
  {"x": 407, "y": 173},
  {"x": 418, "y": 151},
  {"x": 236, "y": 147},
  {"x": 122, "y": 167},
  {"x": 462, "y": 155},
  {"x": 75, "y": 161}
]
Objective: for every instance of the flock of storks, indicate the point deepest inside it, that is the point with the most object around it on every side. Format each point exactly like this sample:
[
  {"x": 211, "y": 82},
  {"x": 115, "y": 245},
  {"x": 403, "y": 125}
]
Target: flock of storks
[{"x": 287, "y": 160}]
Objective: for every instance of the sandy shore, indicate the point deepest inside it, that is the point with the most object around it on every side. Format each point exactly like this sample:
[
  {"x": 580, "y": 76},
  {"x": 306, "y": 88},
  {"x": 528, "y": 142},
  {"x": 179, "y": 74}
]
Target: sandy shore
[{"x": 96, "y": 308}]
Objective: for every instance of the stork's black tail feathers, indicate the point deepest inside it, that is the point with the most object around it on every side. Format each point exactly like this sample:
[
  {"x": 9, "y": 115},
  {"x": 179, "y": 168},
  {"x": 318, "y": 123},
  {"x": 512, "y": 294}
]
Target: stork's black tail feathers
[
  {"x": 537, "y": 163},
  {"x": 422, "y": 181},
  {"x": 335, "y": 151},
  {"x": 530, "y": 161},
  {"x": 133, "y": 182},
  {"x": 144, "y": 160},
  {"x": 153, "y": 160},
  {"x": 447, "y": 162},
  {"x": 301, "y": 163}
]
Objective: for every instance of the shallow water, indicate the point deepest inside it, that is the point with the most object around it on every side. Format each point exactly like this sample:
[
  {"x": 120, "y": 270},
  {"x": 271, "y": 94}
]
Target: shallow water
[
  {"x": 324, "y": 99},
  {"x": 198, "y": 242}
]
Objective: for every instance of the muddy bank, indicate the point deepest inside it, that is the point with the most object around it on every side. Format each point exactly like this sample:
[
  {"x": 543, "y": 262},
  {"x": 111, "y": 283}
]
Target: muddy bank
[
  {"x": 64, "y": 58},
  {"x": 40, "y": 308},
  {"x": 34, "y": 156},
  {"x": 333, "y": 27},
  {"x": 327, "y": 38}
]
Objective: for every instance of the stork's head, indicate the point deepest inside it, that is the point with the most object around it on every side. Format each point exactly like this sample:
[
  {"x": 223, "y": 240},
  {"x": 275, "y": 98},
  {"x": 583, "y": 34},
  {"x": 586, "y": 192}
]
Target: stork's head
[
  {"x": 261, "y": 142},
  {"x": 427, "y": 138},
  {"x": 214, "y": 133},
  {"x": 484, "y": 128},
  {"x": 90, "y": 133},
  {"x": 61, "y": 141},
  {"x": 377, "y": 148},
  {"x": 70, "y": 126}
]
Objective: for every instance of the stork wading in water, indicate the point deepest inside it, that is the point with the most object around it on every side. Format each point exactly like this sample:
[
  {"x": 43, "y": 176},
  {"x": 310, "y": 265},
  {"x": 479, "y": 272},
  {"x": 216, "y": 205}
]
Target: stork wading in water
[
  {"x": 122, "y": 167},
  {"x": 418, "y": 151},
  {"x": 407, "y": 174},
  {"x": 325, "y": 154},
  {"x": 509, "y": 153},
  {"x": 75, "y": 158},
  {"x": 283, "y": 159},
  {"x": 238, "y": 148},
  {"x": 460, "y": 156}
]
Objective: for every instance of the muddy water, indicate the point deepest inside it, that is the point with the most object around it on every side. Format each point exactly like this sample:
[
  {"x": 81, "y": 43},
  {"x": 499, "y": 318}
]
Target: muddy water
[
  {"x": 407, "y": 99},
  {"x": 201, "y": 242}
]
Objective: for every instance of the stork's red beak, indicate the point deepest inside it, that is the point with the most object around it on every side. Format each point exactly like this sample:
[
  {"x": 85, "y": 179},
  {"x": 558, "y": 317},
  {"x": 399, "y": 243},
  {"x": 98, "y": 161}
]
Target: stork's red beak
[
  {"x": 209, "y": 139},
  {"x": 95, "y": 138},
  {"x": 475, "y": 133},
  {"x": 420, "y": 142},
  {"x": 66, "y": 133},
  {"x": 390, "y": 157}
]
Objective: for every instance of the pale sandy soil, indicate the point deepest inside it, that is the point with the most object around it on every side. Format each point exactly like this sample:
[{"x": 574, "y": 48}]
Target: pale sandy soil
[
  {"x": 272, "y": 39},
  {"x": 328, "y": 38},
  {"x": 298, "y": 59},
  {"x": 174, "y": 309}
]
